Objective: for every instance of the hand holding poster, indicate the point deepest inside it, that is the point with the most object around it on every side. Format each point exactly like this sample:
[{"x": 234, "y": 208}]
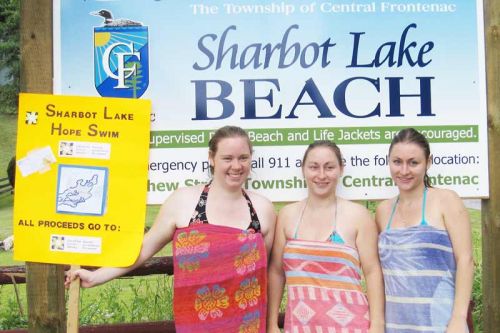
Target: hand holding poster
[{"x": 80, "y": 189}]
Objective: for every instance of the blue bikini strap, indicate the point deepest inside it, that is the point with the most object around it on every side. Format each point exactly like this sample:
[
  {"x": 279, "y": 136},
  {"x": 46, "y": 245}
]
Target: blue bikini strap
[
  {"x": 392, "y": 213},
  {"x": 424, "y": 222}
]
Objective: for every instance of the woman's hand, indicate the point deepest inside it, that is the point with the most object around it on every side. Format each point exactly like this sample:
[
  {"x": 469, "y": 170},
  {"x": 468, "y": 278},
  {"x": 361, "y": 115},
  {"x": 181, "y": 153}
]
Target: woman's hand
[
  {"x": 87, "y": 278},
  {"x": 376, "y": 328},
  {"x": 457, "y": 325},
  {"x": 273, "y": 329}
]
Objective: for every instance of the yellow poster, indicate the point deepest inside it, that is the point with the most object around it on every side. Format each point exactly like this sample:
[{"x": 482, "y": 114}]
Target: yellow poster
[{"x": 81, "y": 179}]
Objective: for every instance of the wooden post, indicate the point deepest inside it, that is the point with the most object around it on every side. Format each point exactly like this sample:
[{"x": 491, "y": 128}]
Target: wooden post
[
  {"x": 44, "y": 283},
  {"x": 491, "y": 207},
  {"x": 73, "y": 321}
]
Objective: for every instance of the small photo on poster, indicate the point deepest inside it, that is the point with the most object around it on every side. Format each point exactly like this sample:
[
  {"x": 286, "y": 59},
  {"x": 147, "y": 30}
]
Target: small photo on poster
[
  {"x": 81, "y": 190},
  {"x": 56, "y": 243},
  {"x": 66, "y": 148}
]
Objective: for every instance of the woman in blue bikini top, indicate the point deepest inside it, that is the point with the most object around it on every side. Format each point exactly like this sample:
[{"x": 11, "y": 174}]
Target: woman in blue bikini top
[
  {"x": 322, "y": 245},
  {"x": 425, "y": 246}
]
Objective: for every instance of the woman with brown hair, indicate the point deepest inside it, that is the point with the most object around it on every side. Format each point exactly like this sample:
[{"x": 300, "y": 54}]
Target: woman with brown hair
[
  {"x": 221, "y": 237},
  {"x": 322, "y": 245},
  {"x": 425, "y": 245}
]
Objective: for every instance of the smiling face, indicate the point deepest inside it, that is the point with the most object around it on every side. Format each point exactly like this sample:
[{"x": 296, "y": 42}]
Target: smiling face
[
  {"x": 322, "y": 170},
  {"x": 231, "y": 161},
  {"x": 408, "y": 165}
]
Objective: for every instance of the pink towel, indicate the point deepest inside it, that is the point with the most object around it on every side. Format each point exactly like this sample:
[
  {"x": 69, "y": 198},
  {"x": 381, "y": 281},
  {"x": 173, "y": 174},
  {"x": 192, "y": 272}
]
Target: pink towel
[{"x": 220, "y": 278}]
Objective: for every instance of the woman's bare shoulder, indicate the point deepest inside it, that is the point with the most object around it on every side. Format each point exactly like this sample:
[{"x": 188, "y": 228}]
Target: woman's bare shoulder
[
  {"x": 444, "y": 198},
  {"x": 259, "y": 199},
  {"x": 290, "y": 209},
  {"x": 264, "y": 209},
  {"x": 263, "y": 206},
  {"x": 384, "y": 206},
  {"x": 442, "y": 193},
  {"x": 181, "y": 203},
  {"x": 187, "y": 193},
  {"x": 383, "y": 212},
  {"x": 288, "y": 215}
]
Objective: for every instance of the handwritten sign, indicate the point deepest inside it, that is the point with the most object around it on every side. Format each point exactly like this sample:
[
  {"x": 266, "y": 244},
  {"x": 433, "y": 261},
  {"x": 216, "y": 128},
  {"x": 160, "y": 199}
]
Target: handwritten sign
[{"x": 81, "y": 179}]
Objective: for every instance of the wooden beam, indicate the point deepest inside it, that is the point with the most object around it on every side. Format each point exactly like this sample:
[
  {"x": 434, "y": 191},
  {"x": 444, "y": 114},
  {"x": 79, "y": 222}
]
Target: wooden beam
[
  {"x": 45, "y": 293},
  {"x": 491, "y": 207},
  {"x": 44, "y": 282},
  {"x": 155, "y": 265},
  {"x": 144, "y": 327}
]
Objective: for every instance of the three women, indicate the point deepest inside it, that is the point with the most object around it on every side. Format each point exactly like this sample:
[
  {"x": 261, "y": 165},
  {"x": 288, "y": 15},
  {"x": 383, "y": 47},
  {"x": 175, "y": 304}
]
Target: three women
[{"x": 322, "y": 244}]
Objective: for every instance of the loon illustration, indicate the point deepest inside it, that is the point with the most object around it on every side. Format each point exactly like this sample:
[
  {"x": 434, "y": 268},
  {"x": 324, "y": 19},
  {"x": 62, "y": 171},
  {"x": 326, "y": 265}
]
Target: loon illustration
[{"x": 110, "y": 22}]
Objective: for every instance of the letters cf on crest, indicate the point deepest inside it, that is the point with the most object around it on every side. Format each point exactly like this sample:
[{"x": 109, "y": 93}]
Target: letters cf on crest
[{"x": 122, "y": 72}]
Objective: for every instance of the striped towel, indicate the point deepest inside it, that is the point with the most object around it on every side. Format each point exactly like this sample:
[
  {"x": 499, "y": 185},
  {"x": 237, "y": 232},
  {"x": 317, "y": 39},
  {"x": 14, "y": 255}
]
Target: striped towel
[
  {"x": 324, "y": 290},
  {"x": 419, "y": 274}
]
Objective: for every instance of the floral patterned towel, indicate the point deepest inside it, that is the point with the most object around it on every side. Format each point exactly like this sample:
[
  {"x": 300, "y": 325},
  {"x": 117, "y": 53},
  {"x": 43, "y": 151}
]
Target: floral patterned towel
[{"x": 219, "y": 280}]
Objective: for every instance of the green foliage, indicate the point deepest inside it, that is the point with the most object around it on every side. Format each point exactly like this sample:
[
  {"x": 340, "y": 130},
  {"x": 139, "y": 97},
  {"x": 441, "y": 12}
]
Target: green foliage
[
  {"x": 10, "y": 316},
  {"x": 8, "y": 139},
  {"x": 9, "y": 55},
  {"x": 477, "y": 291},
  {"x": 8, "y": 131},
  {"x": 128, "y": 300}
]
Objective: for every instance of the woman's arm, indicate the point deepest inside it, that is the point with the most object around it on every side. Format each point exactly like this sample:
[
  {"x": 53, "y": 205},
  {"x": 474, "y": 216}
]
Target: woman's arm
[
  {"x": 367, "y": 244},
  {"x": 276, "y": 275},
  {"x": 457, "y": 223},
  {"x": 158, "y": 236}
]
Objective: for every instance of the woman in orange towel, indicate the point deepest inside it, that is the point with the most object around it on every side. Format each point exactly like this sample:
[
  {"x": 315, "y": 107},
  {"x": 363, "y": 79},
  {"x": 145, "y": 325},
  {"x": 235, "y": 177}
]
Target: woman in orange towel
[
  {"x": 221, "y": 235},
  {"x": 321, "y": 245}
]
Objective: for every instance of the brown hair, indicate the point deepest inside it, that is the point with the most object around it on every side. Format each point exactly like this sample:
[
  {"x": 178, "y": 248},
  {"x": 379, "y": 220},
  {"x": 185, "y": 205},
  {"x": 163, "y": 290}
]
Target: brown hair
[
  {"x": 324, "y": 143},
  {"x": 411, "y": 135},
  {"x": 224, "y": 133}
]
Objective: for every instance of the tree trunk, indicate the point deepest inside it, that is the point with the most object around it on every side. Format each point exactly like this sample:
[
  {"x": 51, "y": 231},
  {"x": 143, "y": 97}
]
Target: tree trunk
[
  {"x": 491, "y": 207},
  {"x": 44, "y": 282}
]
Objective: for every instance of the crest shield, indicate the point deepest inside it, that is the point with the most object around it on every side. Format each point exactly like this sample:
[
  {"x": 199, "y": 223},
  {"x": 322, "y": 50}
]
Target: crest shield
[{"x": 121, "y": 61}]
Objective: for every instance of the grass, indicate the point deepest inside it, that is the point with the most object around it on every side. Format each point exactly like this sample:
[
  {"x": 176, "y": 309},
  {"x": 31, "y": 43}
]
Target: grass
[
  {"x": 128, "y": 300},
  {"x": 123, "y": 300},
  {"x": 477, "y": 294},
  {"x": 8, "y": 130}
]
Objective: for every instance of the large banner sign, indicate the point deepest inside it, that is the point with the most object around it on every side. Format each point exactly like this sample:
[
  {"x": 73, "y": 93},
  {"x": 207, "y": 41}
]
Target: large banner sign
[
  {"x": 80, "y": 179},
  {"x": 289, "y": 72}
]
